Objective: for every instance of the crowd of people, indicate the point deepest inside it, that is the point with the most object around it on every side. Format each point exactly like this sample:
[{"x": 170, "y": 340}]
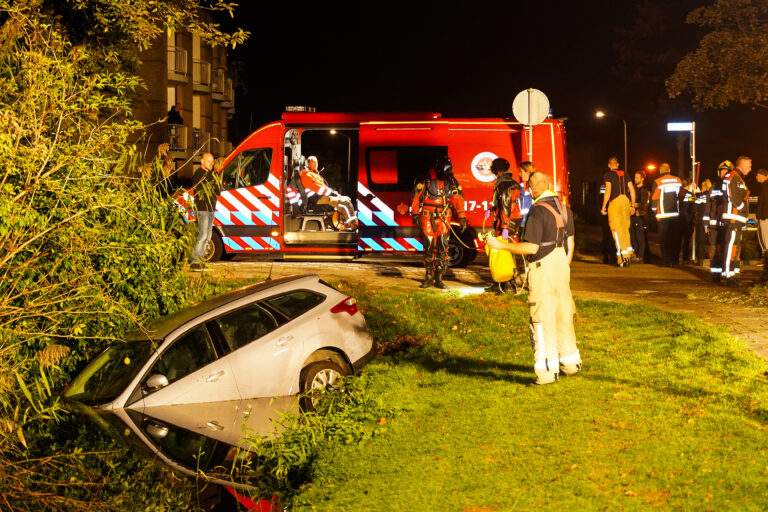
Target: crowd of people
[{"x": 695, "y": 222}]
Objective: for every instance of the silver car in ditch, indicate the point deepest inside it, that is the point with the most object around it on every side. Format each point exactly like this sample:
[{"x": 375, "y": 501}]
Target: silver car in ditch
[{"x": 277, "y": 338}]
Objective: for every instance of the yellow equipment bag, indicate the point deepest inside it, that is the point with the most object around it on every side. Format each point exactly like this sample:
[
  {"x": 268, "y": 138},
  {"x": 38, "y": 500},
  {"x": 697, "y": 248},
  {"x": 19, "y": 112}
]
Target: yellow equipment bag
[{"x": 502, "y": 263}]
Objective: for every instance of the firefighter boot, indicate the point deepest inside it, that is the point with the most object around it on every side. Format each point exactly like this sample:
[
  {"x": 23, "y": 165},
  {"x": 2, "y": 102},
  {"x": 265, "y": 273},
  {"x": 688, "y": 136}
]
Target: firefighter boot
[
  {"x": 428, "y": 278},
  {"x": 439, "y": 279}
]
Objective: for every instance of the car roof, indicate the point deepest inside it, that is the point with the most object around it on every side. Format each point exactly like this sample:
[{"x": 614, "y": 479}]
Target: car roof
[{"x": 161, "y": 327}]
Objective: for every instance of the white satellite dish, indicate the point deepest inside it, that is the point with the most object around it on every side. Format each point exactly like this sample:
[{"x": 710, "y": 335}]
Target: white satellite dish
[{"x": 530, "y": 107}]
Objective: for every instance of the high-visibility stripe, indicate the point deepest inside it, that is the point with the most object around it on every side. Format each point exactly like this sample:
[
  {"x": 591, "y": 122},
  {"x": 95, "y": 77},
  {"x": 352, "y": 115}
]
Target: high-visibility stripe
[
  {"x": 733, "y": 216},
  {"x": 229, "y": 242},
  {"x": 394, "y": 244},
  {"x": 729, "y": 253},
  {"x": 372, "y": 244},
  {"x": 415, "y": 243},
  {"x": 667, "y": 215}
]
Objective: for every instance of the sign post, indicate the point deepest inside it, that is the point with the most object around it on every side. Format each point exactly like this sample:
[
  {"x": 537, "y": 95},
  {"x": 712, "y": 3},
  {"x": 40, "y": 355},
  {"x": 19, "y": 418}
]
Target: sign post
[
  {"x": 689, "y": 126},
  {"x": 530, "y": 108}
]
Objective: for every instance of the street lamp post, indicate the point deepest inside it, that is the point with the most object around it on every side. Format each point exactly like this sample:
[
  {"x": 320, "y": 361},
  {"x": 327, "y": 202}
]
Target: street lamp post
[{"x": 600, "y": 114}]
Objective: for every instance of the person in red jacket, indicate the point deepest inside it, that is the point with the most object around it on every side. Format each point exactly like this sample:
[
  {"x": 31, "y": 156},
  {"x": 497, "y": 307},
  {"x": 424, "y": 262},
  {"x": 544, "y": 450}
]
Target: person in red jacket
[
  {"x": 318, "y": 192},
  {"x": 435, "y": 198}
]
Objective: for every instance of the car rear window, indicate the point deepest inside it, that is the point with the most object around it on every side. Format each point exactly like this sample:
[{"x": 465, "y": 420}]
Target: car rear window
[{"x": 295, "y": 303}]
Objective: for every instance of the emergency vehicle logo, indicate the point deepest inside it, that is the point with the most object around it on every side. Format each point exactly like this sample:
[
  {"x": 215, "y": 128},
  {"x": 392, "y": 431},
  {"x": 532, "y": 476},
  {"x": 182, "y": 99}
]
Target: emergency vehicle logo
[
  {"x": 402, "y": 208},
  {"x": 481, "y": 166}
]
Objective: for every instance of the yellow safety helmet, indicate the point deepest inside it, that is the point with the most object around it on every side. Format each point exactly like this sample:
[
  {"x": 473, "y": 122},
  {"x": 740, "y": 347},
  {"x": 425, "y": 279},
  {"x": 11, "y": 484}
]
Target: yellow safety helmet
[{"x": 725, "y": 164}]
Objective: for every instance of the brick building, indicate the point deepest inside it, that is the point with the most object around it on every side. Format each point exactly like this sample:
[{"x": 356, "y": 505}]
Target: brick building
[{"x": 179, "y": 68}]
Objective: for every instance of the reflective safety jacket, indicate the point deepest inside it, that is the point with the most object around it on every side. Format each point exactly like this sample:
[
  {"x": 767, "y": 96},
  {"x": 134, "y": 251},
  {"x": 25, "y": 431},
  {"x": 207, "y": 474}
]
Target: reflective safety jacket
[
  {"x": 701, "y": 209},
  {"x": 314, "y": 184},
  {"x": 506, "y": 207},
  {"x": 735, "y": 194},
  {"x": 716, "y": 202},
  {"x": 666, "y": 194}
]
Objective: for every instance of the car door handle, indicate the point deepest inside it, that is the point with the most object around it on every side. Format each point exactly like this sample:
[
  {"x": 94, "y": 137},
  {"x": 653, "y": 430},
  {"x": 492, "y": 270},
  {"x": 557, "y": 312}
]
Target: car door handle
[
  {"x": 215, "y": 376},
  {"x": 283, "y": 340},
  {"x": 263, "y": 197},
  {"x": 213, "y": 425}
]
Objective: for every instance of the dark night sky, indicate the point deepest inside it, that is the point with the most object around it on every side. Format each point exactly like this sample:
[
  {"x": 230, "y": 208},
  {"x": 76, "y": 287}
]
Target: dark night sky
[{"x": 470, "y": 61}]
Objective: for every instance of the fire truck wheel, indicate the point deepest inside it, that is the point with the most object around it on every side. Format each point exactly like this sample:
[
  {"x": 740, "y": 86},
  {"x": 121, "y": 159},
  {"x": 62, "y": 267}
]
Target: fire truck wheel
[
  {"x": 215, "y": 248},
  {"x": 458, "y": 255}
]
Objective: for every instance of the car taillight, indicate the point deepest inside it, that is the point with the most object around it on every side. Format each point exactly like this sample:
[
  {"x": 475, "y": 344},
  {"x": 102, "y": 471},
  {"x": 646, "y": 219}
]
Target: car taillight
[{"x": 348, "y": 305}]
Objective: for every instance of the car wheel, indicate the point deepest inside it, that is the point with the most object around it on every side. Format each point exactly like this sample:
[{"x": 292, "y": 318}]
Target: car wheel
[
  {"x": 215, "y": 248},
  {"x": 316, "y": 378},
  {"x": 458, "y": 255}
]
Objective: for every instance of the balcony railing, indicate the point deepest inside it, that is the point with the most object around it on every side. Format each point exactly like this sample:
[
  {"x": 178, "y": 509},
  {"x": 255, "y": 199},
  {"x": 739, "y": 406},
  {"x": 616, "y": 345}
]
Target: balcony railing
[
  {"x": 229, "y": 93},
  {"x": 177, "y": 60},
  {"x": 200, "y": 139},
  {"x": 201, "y": 73},
  {"x": 177, "y": 137},
  {"x": 217, "y": 84}
]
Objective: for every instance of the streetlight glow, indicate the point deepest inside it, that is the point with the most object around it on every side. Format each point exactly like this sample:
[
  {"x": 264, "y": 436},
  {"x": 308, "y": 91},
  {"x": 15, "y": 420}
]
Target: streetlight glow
[
  {"x": 333, "y": 132},
  {"x": 650, "y": 167},
  {"x": 600, "y": 114}
]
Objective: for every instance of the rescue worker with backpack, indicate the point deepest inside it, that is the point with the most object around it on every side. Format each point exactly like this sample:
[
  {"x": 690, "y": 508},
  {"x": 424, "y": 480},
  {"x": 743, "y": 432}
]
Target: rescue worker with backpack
[
  {"x": 505, "y": 208},
  {"x": 618, "y": 199},
  {"x": 665, "y": 203},
  {"x": 435, "y": 198},
  {"x": 547, "y": 244}
]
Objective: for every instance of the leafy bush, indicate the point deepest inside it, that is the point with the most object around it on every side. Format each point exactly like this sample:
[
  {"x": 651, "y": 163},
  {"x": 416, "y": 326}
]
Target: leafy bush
[{"x": 90, "y": 249}]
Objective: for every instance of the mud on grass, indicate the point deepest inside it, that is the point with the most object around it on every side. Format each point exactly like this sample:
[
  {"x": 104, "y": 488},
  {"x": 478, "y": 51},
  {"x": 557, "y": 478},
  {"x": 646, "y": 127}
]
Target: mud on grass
[{"x": 668, "y": 412}]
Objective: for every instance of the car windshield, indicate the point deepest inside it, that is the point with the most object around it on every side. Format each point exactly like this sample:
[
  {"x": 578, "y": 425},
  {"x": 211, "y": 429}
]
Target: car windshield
[{"x": 108, "y": 375}]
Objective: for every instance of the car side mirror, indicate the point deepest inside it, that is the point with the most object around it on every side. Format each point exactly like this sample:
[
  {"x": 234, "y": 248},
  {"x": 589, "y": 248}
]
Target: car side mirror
[
  {"x": 156, "y": 382},
  {"x": 156, "y": 430}
]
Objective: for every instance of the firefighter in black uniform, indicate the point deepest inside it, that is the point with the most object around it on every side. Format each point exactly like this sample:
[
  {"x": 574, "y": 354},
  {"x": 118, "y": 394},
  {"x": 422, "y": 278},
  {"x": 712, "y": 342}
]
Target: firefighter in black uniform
[
  {"x": 433, "y": 199},
  {"x": 507, "y": 218},
  {"x": 734, "y": 217},
  {"x": 701, "y": 209},
  {"x": 716, "y": 232}
]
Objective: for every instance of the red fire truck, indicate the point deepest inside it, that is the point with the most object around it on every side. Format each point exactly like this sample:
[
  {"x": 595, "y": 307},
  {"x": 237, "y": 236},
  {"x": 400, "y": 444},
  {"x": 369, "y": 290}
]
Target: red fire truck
[{"x": 374, "y": 158}]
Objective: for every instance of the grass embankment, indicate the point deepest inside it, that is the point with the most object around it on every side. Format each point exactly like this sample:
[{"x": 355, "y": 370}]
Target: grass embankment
[{"x": 667, "y": 412}]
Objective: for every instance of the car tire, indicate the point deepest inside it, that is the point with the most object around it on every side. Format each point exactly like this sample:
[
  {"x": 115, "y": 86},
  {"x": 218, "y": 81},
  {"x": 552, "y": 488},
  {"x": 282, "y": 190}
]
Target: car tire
[
  {"x": 458, "y": 255},
  {"x": 215, "y": 248},
  {"x": 318, "y": 377}
]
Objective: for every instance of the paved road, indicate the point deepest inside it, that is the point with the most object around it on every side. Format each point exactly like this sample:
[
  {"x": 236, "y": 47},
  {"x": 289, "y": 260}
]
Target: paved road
[{"x": 683, "y": 289}]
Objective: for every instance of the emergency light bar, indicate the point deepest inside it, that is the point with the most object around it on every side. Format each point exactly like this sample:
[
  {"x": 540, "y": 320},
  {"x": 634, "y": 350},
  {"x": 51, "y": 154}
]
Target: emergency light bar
[{"x": 680, "y": 127}]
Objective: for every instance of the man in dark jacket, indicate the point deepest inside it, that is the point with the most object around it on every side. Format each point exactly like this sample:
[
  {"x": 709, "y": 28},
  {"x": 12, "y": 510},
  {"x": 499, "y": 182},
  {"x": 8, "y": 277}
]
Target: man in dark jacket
[
  {"x": 762, "y": 211},
  {"x": 638, "y": 228},
  {"x": 506, "y": 210},
  {"x": 174, "y": 115},
  {"x": 205, "y": 184}
]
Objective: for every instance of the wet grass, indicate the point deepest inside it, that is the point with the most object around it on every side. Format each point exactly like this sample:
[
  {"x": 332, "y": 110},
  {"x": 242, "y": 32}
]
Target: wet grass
[{"x": 668, "y": 412}]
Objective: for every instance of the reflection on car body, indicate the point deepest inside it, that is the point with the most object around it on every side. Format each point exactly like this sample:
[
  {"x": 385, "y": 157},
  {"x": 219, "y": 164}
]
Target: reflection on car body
[
  {"x": 212, "y": 439},
  {"x": 272, "y": 339}
]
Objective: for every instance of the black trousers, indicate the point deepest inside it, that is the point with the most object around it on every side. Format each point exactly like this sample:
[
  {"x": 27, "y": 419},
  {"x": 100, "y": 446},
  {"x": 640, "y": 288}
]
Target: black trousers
[
  {"x": 731, "y": 248},
  {"x": 637, "y": 235},
  {"x": 669, "y": 229},
  {"x": 686, "y": 232}
]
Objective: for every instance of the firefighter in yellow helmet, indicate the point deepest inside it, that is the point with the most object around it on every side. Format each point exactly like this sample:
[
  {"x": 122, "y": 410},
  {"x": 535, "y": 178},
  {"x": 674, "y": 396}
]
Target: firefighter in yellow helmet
[{"x": 716, "y": 232}]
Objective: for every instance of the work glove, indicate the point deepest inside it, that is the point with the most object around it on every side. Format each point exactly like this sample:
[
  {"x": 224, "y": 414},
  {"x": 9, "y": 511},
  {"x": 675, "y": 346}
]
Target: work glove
[
  {"x": 505, "y": 234},
  {"x": 463, "y": 223},
  {"x": 415, "y": 220}
]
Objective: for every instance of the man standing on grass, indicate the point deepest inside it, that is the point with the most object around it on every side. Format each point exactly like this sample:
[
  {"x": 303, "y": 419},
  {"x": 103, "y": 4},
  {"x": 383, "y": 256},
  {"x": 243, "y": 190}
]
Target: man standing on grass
[
  {"x": 547, "y": 244},
  {"x": 206, "y": 192}
]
